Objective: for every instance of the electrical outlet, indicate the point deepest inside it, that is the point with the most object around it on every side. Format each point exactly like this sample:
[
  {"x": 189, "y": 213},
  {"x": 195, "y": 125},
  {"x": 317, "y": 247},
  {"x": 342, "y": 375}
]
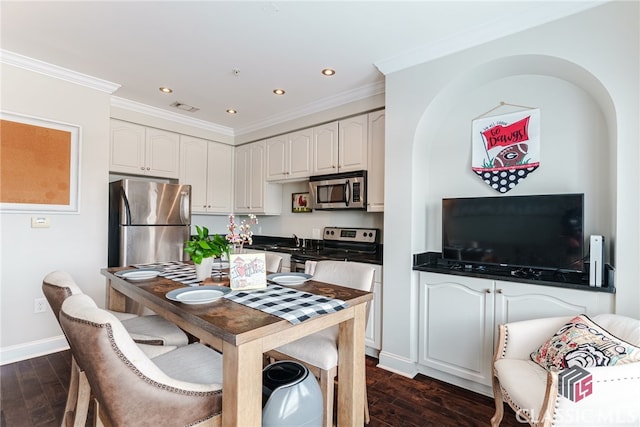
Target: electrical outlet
[{"x": 39, "y": 305}]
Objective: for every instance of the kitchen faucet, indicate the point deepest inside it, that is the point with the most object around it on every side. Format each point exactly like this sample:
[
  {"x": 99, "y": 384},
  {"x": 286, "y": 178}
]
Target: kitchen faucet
[{"x": 296, "y": 240}]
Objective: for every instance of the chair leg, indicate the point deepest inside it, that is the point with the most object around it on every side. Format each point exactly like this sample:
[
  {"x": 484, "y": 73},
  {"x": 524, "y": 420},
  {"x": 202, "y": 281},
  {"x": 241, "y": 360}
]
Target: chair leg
[
  {"x": 84, "y": 398},
  {"x": 327, "y": 386},
  {"x": 72, "y": 397},
  {"x": 497, "y": 396},
  {"x": 367, "y": 418}
]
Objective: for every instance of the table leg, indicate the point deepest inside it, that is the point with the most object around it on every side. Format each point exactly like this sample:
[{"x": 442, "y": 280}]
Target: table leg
[
  {"x": 242, "y": 384},
  {"x": 351, "y": 369},
  {"x": 115, "y": 300}
]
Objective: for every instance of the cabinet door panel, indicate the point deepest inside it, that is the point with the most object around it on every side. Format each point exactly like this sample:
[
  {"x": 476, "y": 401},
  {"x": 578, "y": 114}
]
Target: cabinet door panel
[
  {"x": 375, "y": 175},
  {"x": 352, "y": 146},
  {"x": 219, "y": 178},
  {"x": 242, "y": 176},
  {"x": 127, "y": 148},
  {"x": 162, "y": 153},
  {"x": 277, "y": 158},
  {"x": 456, "y": 322},
  {"x": 193, "y": 170},
  {"x": 300, "y": 153},
  {"x": 325, "y": 149}
]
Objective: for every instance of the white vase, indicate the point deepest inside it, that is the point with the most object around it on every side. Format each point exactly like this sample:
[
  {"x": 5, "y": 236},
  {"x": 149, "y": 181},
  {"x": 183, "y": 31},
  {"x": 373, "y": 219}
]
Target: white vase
[{"x": 203, "y": 270}]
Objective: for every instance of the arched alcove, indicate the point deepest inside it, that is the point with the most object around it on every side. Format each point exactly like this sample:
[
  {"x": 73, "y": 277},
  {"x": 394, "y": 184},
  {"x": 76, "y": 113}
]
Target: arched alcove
[{"x": 578, "y": 139}]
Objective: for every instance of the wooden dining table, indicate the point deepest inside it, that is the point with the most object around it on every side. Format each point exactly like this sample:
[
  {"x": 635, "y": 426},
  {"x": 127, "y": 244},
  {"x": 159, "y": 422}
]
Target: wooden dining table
[{"x": 243, "y": 334}]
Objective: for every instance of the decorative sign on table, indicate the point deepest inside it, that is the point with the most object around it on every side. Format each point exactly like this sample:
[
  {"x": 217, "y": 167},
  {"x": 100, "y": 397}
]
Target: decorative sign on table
[
  {"x": 247, "y": 271},
  {"x": 506, "y": 148}
]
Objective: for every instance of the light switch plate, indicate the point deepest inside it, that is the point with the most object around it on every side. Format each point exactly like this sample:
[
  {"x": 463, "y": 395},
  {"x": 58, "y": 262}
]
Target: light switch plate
[{"x": 40, "y": 222}]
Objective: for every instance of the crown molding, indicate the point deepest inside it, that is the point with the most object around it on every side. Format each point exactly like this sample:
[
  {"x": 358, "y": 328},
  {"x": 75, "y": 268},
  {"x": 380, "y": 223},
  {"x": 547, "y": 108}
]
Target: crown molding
[
  {"x": 168, "y": 115},
  {"x": 363, "y": 92},
  {"x": 538, "y": 14},
  {"x": 30, "y": 64}
]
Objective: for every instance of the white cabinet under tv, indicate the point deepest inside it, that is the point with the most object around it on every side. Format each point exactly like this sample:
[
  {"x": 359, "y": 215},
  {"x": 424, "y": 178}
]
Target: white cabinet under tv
[{"x": 459, "y": 317}]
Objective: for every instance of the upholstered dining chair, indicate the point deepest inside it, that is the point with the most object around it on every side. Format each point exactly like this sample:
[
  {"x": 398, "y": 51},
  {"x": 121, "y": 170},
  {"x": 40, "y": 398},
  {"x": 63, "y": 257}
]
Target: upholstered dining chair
[
  {"x": 273, "y": 262},
  {"x": 569, "y": 371},
  {"x": 57, "y": 286},
  {"x": 319, "y": 351},
  {"x": 178, "y": 388}
]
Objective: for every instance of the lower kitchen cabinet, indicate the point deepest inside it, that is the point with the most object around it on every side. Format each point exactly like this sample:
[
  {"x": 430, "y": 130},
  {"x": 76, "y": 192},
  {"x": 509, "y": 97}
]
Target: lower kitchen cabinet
[
  {"x": 373, "y": 334},
  {"x": 459, "y": 318}
]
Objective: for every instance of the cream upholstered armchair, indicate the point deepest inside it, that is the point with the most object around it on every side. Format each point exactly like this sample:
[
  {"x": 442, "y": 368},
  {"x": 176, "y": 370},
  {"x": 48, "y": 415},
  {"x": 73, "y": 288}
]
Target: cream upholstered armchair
[
  {"x": 57, "y": 286},
  {"x": 569, "y": 371},
  {"x": 177, "y": 388},
  {"x": 319, "y": 351}
]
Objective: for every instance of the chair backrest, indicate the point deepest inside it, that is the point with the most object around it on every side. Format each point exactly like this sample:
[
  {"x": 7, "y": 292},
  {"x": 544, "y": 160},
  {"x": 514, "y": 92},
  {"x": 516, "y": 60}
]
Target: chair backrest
[
  {"x": 57, "y": 286},
  {"x": 129, "y": 386},
  {"x": 351, "y": 275},
  {"x": 623, "y": 327},
  {"x": 273, "y": 262}
]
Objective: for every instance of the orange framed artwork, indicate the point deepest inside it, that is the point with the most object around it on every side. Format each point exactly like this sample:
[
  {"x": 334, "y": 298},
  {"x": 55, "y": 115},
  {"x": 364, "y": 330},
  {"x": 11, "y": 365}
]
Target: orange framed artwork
[{"x": 39, "y": 164}]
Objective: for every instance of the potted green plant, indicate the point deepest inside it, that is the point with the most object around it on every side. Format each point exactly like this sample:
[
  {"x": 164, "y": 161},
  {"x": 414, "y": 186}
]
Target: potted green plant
[{"x": 203, "y": 248}]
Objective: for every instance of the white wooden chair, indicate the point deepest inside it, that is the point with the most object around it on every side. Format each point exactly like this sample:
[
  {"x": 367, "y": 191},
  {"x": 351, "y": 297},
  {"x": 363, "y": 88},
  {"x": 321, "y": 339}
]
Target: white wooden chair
[{"x": 319, "y": 352}]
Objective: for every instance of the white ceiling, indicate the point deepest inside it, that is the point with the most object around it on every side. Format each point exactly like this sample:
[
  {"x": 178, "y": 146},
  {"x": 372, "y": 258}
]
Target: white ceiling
[{"x": 194, "y": 46}]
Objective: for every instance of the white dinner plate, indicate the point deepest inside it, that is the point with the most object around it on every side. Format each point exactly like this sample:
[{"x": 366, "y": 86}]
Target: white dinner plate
[
  {"x": 290, "y": 279},
  {"x": 197, "y": 294},
  {"x": 138, "y": 274}
]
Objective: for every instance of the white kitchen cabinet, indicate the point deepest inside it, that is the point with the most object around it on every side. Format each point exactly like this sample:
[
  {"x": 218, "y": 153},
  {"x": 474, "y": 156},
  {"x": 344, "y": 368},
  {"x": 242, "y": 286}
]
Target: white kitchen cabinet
[
  {"x": 459, "y": 318},
  {"x": 375, "y": 157},
  {"x": 140, "y": 150},
  {"x": 373, "y": 333},
  {"x": 252, "y": 193},
  {"x": 208, "y": 167},
  {"x": 341, "y": 146},
  {"x": 289, "y": 156}
]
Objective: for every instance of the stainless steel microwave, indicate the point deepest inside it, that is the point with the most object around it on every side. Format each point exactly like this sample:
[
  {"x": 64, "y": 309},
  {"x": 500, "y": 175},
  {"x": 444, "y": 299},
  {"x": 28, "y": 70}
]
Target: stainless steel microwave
[{"x": 339, "y": 191}]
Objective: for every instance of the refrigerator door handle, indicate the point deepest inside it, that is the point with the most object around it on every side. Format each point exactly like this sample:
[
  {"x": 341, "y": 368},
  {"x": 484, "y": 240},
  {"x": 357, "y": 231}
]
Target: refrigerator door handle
[
  {"x": 184, "y": 207},
  {"x": 127, "y": 209}
]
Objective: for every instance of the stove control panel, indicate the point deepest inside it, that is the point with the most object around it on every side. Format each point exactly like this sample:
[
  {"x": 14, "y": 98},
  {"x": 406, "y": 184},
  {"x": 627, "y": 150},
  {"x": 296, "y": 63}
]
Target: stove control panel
[{"x": 359, "y": 235}]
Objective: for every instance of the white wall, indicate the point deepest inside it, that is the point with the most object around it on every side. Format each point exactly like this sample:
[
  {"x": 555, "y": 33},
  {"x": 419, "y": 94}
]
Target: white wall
[
  {"x": 583, "y": 73},
  {"x": 74, "y": 242}
]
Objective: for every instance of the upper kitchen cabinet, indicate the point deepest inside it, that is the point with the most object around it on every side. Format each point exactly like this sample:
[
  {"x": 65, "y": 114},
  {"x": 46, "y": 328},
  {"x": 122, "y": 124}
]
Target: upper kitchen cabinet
[
  {"x": 208, "y": 167},
  {"x": 375, "y": 176},
  {"x": 140, "y": 150},
  {"x": 289, "y": 156},
  {"x": 252, "y": 193},
  {"x": 340, "y": 146}
]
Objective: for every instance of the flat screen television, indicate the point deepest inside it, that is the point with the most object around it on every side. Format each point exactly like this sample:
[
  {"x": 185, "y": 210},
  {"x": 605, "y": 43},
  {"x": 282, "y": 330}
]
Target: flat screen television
[{"x": 537, "y": 232}]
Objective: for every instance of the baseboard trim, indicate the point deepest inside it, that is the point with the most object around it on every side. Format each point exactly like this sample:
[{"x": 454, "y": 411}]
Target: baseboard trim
[
  {"x": 29, "y": 350},
  {"x": 397, "y": 364}
]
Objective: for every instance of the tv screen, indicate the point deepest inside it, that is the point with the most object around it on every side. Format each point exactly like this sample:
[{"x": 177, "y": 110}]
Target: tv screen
[{"x": 539, "y": 232}]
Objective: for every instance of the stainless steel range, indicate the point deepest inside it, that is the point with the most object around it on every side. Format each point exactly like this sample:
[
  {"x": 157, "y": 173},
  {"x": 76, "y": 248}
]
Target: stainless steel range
[{"x": 342, "y": 244}]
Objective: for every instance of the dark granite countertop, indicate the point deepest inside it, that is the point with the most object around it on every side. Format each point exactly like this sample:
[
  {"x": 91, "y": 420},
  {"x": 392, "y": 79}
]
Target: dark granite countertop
[{"x": 433, "y": 262}]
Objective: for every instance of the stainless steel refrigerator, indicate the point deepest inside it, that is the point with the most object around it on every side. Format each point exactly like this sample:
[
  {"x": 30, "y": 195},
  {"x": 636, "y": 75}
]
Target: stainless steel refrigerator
[{"x": 148, "y": 222}]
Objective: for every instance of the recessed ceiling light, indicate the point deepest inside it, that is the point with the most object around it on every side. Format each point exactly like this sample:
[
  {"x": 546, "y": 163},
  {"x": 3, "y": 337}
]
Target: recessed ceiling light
[
  {"x": 166, "y": 89},
  {"x": 328, "y": 71},
  {"x": 231, "y": 111},
  {"x": 279, "y": 91}
]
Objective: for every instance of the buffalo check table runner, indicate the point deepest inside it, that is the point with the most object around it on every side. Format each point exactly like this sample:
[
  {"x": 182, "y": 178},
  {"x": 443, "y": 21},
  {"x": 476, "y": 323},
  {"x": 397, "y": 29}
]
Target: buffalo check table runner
[
  {"x": 176, "y": 271},
  {"x": 289, "y": 304}
]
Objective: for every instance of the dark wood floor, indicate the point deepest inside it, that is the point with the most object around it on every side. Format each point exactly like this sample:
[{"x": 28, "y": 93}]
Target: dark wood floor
[{"x": 34, "y": 392}]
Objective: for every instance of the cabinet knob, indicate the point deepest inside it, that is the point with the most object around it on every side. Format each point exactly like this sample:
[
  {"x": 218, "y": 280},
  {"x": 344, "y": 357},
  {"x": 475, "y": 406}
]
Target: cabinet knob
[
  {"x": 148, "y": 169},
  {"x": 498, "y": 291},
  {"x": 142, "y": 168},
  {"x": 488, "y": 291}
]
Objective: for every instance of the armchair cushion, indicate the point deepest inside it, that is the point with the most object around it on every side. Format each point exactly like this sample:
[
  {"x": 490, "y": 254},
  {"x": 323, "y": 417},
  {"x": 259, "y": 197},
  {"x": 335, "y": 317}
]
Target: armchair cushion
[{"x": 581, "y": 342}]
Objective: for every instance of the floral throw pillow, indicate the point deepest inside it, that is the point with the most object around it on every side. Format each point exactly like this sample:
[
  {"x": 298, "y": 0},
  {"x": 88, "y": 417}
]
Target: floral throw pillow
[{"x": 583, "y": 343}]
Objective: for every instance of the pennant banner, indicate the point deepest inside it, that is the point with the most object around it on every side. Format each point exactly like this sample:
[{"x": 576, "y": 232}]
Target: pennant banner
[{"x": 506, "y": 148}]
